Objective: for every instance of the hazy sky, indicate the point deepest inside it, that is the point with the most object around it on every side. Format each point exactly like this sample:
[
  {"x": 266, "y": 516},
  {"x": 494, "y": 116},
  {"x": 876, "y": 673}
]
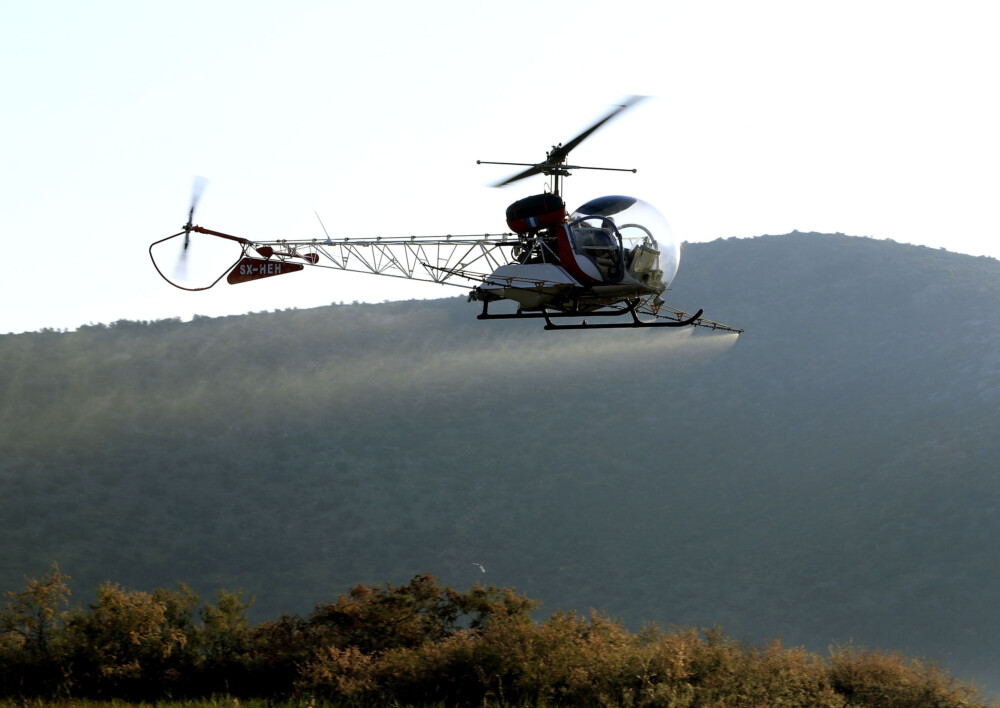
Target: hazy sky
[{"x": 866, "y": 118}]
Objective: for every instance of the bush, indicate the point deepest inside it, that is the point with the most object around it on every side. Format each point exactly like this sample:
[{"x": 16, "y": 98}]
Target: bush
[
  {"x": 890, "y": 680},
  {"x": 419, "y": 644},
  {"x": 132, "y": 643}
]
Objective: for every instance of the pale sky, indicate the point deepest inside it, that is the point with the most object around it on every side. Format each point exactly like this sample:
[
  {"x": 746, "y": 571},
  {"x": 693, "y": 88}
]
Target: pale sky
[{"x": 865, "y": 118}]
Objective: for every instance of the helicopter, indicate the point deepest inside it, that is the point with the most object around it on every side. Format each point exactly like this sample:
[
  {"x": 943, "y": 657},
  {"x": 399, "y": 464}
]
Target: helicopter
[{"x": 613, "y": 256}]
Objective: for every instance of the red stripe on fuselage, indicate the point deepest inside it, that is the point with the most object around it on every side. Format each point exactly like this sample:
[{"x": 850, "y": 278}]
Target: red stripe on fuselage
[{"x": 567, "y": 259}]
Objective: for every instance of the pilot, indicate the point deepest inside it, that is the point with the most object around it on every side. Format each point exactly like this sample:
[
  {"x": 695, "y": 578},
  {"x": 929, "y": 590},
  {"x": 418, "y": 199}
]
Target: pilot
[{"x": 603, "y": 240}]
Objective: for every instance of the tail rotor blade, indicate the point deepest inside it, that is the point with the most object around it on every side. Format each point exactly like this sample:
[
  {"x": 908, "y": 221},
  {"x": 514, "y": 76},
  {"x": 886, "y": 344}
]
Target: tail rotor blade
[
  {"x": 181, "y": 270},
  {"x": 197, "y": 188}
]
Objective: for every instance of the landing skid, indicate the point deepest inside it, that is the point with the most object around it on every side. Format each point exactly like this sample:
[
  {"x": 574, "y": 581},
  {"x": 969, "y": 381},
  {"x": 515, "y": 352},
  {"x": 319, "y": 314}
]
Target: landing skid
[{"x": 630, "y": 310}]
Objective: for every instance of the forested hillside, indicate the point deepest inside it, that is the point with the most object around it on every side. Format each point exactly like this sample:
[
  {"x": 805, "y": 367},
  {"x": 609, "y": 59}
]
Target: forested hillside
[{"x": 828, "y": 476}]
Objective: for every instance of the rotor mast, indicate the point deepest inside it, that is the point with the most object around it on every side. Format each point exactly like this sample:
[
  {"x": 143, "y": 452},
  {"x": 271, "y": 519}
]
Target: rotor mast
[{"x": 557, "y": 172}]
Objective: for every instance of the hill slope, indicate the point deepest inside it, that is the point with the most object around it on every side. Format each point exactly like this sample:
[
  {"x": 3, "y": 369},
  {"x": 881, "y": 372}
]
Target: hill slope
[{"x": 830, "y": 476}]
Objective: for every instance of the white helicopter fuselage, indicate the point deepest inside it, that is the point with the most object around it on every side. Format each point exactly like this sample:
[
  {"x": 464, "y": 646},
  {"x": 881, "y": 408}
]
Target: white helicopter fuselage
[
  {"x": 587, "y": 261},
  {"x": 535, "y": 286}
]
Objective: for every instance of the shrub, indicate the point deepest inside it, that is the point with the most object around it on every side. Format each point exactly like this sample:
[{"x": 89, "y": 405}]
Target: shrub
[
  {"x": 132, "y": 643},
  {"x": 890, "y": 680},
  {"x": 419, "y": 644}
]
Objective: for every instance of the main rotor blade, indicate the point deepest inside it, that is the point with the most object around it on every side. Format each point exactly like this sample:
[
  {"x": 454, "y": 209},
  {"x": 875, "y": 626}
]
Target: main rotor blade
[
  {"x": 534, "y": 170},
  {"x": 560, "y": 152}
]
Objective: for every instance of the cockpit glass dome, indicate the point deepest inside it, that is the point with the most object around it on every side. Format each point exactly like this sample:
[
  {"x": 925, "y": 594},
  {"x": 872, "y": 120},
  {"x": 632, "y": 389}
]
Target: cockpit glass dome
[{"x": 636, "y": 221}]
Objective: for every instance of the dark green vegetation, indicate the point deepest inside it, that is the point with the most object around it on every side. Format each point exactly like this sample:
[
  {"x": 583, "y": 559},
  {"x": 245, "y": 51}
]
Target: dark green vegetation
[
  {"x": 421, "y": 644},
  {"x": 830, "y": 478}
]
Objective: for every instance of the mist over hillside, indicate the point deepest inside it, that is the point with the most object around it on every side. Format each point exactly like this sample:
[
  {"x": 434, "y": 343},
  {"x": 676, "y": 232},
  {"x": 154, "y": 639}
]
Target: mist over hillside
[{"x": 828, "y": 476}]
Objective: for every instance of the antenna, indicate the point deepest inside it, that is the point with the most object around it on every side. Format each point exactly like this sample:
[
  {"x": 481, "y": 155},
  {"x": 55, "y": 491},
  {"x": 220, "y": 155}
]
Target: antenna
[{"x": 321, "y": 225}]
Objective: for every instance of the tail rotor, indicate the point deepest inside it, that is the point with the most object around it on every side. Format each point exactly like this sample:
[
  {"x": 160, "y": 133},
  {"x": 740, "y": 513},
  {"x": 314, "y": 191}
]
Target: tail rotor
[{"x": 197, "y": 188}]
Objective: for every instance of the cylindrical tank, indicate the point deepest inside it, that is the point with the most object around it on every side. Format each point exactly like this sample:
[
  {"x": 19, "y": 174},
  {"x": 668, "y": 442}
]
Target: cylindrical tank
[{"x": 536, "y": 212}]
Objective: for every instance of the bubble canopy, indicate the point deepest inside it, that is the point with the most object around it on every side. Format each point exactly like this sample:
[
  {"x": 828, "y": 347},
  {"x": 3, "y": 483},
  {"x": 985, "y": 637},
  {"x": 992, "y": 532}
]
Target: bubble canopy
[{"x": 636, "y": 221}]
